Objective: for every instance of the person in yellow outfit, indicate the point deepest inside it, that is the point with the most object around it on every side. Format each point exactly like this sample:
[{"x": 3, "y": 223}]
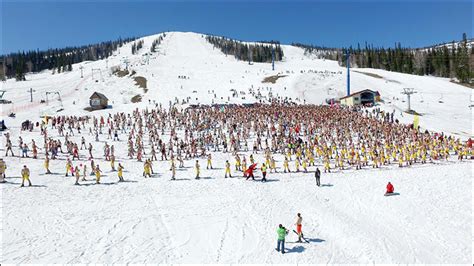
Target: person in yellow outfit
[
  {"x": 252, "y": 160},
  {"x": 305, "y": 166},
  {"x": 25, "y": 175},
  {"x": 237, "y": 162},
  {"x": 264, "y": 172},
  {"x": 273, "y": 165},
  {"x": 209, "y": 161},
  {"x": 244, "y": 165},
  {"x": 227, "y": 169},
  {"x": 3, "y": 167},
  {"x": 68, "y": 167},
  {"x": 326, "y": 165},
  {"x": 400, "y": 160},
  {"x": 112, "y": 162},
  {"x": 197, "y": 168},
  {"x": 173, "y": 170},
  {"x": 146, "y": 169},
  {"x": 46, "y": 164},
  {"x": 285, "y": 165},
  {"x": 97, "y": 172},
  {"x": 120, "y": 172},
  {"x": 77, "y": 173},
  {"x": 311, "y": 160},
  {"x": 297, "y": 165}
]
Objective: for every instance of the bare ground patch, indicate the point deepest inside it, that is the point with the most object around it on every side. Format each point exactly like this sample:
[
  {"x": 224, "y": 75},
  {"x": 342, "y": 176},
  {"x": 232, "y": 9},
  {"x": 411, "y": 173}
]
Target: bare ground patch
[
  {"x": 370, "y": 74},
  {"x": 136, "y": 99},
  {"x": 121, "y": 73},
  {"x": 141, "y": 82},
  {"x": 272, "y": 79},
  {"x": 469, "y": 85}
]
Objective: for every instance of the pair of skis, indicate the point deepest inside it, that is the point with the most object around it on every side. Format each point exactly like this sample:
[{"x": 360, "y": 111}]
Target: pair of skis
[{"x": 302, "y": 236}]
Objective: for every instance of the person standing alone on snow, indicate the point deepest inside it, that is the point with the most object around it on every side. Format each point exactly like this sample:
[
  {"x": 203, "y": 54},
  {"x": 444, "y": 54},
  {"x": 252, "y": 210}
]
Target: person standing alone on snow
[
  {"x": 281, "y": 232},
  {"x": 317, "y": 175},
  {"x": 390, "y": 188},
  {"x": 298, "y": 224}
]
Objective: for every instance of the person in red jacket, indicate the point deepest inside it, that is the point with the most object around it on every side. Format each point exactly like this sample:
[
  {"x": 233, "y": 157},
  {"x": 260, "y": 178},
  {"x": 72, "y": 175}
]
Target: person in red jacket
[{"x": 390, "y": 188}]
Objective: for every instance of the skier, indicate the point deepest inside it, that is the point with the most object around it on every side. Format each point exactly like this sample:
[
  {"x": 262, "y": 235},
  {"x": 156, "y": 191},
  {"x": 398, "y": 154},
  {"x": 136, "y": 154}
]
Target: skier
[
  {"x": 317, "y": 175},
  {"x": 281, "y": 232},
  {"x": 390, "y": 189},
  {"x": 298, "y": 224},
  {"x": 25, "y": 175}
]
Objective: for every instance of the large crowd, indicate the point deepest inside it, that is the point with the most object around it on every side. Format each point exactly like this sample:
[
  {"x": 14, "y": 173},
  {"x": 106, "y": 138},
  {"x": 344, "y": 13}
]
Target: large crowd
[{"x": 330, "y": 137}]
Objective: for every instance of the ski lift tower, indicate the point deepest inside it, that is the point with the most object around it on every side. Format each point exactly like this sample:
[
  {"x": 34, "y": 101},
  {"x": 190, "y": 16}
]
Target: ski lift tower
[
  {"x": 348, "y": 63},
  {"x": 273, "y": 57},
  {"x": 125, "y": 61},
  {"x": 100, "y": 72},
  {"x": 59, "y": 99},
  {"x": 408, "y": 92}
]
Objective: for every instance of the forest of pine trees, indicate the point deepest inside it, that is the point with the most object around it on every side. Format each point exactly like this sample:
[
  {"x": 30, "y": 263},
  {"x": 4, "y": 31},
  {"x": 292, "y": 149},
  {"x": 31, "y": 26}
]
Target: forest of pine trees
[
  {"x": 136, "y": 46},
  {"x": 261, "y": 53},
  {"x": 156, "y": 42},
  {"x": 15, "y": 65},
  {"x": 453, "y": 60}
]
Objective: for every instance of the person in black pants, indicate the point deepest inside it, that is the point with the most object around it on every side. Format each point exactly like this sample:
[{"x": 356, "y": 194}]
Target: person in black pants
[{"x": 317, "y": 175}]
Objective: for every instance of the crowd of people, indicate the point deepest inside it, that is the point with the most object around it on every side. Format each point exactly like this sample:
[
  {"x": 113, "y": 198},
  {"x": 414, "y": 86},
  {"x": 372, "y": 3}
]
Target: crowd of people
[{"x": 332, "y": 138}]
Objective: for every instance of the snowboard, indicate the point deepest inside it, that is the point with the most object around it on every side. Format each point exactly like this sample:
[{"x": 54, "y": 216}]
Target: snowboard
[
  {"x": 302, "y": 236},
  {"x": 391, "y": 194}
]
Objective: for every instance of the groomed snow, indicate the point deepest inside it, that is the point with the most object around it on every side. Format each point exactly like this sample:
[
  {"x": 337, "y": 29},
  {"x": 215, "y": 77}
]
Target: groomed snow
[{"x": 217, "y": 220}]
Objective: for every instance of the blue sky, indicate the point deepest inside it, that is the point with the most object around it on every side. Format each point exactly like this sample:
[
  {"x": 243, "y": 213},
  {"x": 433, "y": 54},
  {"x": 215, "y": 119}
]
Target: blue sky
[{"x": 52, "y": 24}]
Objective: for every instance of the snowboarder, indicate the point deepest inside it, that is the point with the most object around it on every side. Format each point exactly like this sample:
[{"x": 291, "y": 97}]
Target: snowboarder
[
  {"x": 317, "y": 175},
  {"x": 281, "y": 232}
]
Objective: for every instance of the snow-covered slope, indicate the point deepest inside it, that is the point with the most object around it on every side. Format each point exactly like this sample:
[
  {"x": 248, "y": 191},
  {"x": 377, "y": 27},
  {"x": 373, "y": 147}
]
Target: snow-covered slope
[
  {"x": 187, "y": 66},
  {"x": 347, "y": 220}
]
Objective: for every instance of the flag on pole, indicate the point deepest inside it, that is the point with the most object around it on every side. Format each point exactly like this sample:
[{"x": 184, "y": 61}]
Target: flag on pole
[{"x": 416, "y": 122}]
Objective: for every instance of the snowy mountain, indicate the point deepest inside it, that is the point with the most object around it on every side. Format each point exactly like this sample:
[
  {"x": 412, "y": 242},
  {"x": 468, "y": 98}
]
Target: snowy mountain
[
  {"x": 217, "y": 220},
  {"x": 187, "y": 66}
]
